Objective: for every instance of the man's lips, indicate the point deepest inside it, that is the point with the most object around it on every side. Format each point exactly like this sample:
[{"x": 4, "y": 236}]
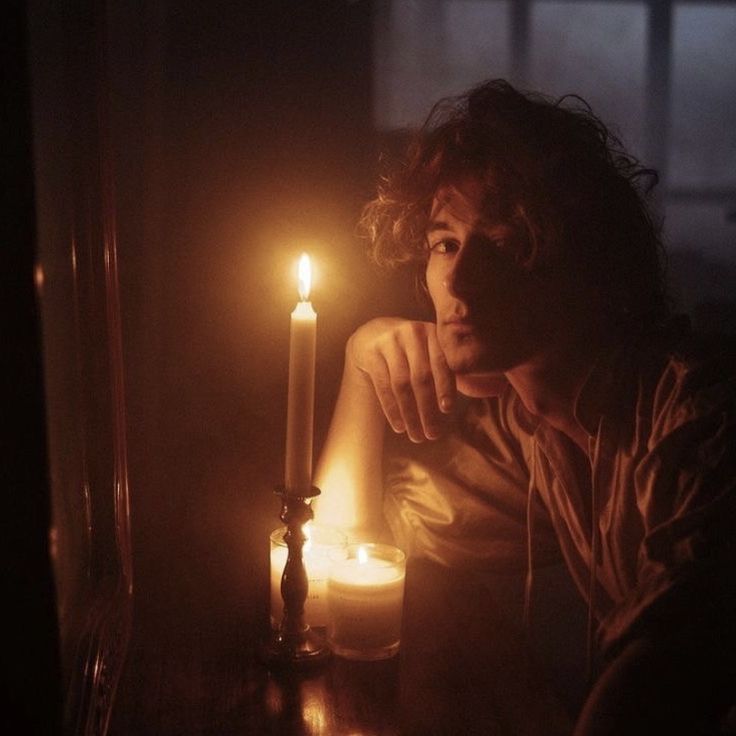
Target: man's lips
[{"x": 459, "y": 325}]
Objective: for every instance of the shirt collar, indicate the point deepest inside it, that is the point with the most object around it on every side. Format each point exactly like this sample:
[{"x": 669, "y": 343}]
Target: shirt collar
[{"x": 606, "y": 392}]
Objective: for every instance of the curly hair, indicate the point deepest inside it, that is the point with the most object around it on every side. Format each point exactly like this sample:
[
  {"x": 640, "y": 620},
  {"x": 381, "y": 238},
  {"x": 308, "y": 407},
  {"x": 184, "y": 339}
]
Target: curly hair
[{"x": 554, "y": 172}]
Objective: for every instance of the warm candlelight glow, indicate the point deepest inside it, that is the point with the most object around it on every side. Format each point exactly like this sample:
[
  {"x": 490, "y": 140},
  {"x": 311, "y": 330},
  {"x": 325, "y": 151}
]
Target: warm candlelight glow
[
  {"x": 38, "y": 277},
  {"x": 365, "y": 592},
  {"x": 362, "y": 555},
  {"x": 305, "y": 277},
  {"x": 321, "y": 542}
]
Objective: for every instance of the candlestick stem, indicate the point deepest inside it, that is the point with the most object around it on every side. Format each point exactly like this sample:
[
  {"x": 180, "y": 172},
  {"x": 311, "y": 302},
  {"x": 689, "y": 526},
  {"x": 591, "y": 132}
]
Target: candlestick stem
[{"x": 295, "y": 643}]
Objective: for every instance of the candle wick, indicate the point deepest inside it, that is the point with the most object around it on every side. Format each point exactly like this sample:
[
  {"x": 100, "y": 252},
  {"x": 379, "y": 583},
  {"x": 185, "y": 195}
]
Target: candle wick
[{"x": 305, "y": 277}]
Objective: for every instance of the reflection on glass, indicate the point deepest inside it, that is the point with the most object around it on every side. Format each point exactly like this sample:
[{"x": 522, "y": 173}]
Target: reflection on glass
[
  {"x": 598, "y": 51},
  {"x": 426, "y": 49},
  {"x": 703, "y": 100},
  {"x": 702, "y": 227},
  {"x": 83, "y": 363}
]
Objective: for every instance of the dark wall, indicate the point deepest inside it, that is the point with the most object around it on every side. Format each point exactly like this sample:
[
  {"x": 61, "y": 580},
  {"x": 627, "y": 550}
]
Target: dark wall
[
  {"x": 30, "y": 671},
  {"x": 234, "y": 135},
  {"x": 243, "y": 136}
]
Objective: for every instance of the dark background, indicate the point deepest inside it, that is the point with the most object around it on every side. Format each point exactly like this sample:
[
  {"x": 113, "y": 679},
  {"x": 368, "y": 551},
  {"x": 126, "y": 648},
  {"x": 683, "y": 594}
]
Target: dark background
[
  {"x": 199, "y": 148},
  {"x": 205, "y": 145}
]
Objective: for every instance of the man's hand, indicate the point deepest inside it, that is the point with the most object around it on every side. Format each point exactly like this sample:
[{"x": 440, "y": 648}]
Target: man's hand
[
  {"x": 394, "y": 370},
  {"x": 408, "y": 372}
]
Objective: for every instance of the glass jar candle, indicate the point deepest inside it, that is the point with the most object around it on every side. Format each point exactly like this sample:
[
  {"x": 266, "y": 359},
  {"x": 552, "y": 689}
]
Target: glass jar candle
[
  {"x": 365, "y": 598},
  {"x": 320, "y": 544}
]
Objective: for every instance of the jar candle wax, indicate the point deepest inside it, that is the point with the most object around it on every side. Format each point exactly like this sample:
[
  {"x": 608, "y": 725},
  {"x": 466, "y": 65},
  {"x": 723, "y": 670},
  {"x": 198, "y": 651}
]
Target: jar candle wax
[{"x": 365, "y": 594}]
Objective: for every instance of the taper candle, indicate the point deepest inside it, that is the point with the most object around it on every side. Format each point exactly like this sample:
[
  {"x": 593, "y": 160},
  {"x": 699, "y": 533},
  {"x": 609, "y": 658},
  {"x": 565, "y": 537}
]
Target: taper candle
[{"x": 300, "y": 412}]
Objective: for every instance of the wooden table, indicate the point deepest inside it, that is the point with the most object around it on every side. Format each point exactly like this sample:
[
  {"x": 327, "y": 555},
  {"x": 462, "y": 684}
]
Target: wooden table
[{"x": 460, "y": 671}]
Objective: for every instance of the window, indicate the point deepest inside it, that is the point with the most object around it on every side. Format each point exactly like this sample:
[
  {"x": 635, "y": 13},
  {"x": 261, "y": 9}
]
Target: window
[{"x": 662, "y": 73}]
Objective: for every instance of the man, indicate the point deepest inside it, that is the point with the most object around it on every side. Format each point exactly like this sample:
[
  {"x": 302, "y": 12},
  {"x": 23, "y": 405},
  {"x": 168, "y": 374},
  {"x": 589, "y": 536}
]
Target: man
[{"x": 593, "y": 413}]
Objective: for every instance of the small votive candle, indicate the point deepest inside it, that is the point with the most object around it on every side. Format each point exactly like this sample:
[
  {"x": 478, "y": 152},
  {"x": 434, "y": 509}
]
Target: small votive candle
[
  {"x": 321, "y": 542},
  {"x": 365, "y": 598}
]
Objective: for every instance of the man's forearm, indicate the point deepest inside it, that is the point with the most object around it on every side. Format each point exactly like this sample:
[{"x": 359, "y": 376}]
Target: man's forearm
[{"x": 349, "y": 470}]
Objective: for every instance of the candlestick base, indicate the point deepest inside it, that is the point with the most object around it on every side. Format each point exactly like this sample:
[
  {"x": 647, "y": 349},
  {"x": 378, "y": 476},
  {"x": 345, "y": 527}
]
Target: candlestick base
[{"x": 305, "y": 650}]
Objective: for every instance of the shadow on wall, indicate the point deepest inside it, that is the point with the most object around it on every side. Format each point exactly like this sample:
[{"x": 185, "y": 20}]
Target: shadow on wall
[{"x": 705, "y": 289}]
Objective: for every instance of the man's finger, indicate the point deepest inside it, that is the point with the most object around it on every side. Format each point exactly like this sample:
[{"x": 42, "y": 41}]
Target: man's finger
[
  {"x": 403, "y": 391},
  {"x": 380, "y": 377},
  {"x": 423, "y": 383},
  {"x": 444, "y": 378}
]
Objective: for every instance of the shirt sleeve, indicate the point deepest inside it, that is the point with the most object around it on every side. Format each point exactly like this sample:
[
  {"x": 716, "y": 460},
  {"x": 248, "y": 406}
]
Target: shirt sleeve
[
  {"x": 686, "y": 494},
  {"x": 462, "y": 500}
]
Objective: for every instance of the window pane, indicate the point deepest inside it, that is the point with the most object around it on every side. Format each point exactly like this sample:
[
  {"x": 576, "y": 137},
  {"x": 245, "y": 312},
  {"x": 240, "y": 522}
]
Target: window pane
[
  {"x": 596, "y": 50},
  {"x": 426, "y": 49},
  {"x": 478, "y": 33},
  {"x": 709, "y": 228},
  {"x": 702, "y": 264},
  {"x": 703, "y": 134}
]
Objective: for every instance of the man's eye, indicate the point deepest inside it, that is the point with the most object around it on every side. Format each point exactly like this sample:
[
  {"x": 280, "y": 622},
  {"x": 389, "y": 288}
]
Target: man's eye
[{"x": 443, "y": 246}]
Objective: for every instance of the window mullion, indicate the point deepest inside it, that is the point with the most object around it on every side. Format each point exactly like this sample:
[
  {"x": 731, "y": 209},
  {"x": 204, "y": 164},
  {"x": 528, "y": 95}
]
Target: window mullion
[
  {"x": 658, "y": 72},
  {"x": 519, "y": 41}
]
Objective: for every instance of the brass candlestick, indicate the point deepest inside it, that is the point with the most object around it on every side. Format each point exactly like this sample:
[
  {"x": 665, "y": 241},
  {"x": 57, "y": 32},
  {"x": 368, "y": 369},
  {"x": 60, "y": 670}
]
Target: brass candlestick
[{"x": 295, "y": 643}]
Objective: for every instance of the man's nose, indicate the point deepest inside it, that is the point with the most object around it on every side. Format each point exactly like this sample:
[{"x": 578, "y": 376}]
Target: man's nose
[{"x": 469, "y": 273}]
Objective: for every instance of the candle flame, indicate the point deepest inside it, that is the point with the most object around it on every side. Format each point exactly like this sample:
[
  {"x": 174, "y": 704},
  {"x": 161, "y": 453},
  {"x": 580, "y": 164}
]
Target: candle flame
[
  {"x": 307, "y": 529},
  {"x": 362, "y": 555},
  {"x": 305, "y": 277}
]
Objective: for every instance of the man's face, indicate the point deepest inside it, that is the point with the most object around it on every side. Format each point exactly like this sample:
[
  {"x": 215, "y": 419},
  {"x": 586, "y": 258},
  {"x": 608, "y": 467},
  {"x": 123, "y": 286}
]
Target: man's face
[{"x": 486, "y": 302}]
